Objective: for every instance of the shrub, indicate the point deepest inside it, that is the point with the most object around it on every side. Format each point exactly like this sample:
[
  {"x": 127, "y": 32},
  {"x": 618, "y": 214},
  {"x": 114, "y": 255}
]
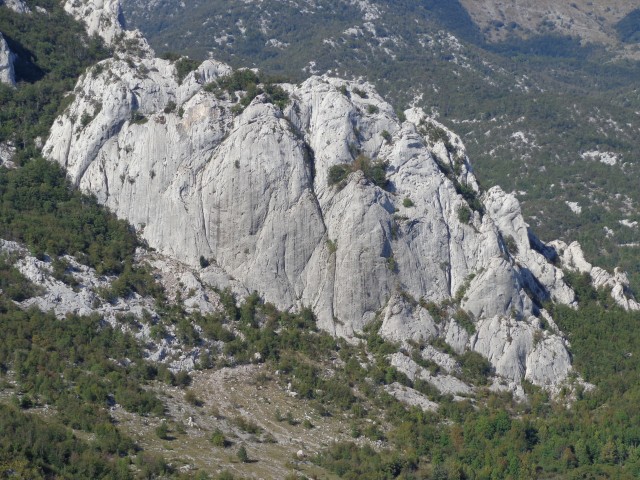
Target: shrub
[
  {"x": 247, "y": 426},
  {"x": 192, "y": 399},
  {"x": 242, "y": 454},
  {"x": 162, "y": 431},
  {"x": 407, "y": 202},
  {"x": 184, "y": 66},
  {"x": 360, "y": 93},
  {"x": 386, "y": 136},
  {"x": 338, "y": 173},
  {"x": 511, "y": 245},
  {"x": 170, "y": 107},
  {"x": 372, "y": 109},
  {"x": 138, "y": 118},
  {"x": 464, "y": 214},
  {"x": 375, "y": 172},
  {"x": 218, "y": 439},
  {"x": 475, "y": 367}
]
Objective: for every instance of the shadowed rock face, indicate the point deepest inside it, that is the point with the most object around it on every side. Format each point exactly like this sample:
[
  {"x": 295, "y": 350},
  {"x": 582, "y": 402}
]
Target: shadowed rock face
[{"x": 249, "y": 190}]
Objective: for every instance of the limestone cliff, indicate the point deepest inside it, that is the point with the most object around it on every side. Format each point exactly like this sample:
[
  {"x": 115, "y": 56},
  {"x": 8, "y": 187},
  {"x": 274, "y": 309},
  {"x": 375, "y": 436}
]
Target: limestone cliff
[{"x": 424, "y": 253}]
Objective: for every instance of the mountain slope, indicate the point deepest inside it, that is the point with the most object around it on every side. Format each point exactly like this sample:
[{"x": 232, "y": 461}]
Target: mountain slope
[
  {"x": 81, "y": 384},
  {"x": 317, "y": 195}
]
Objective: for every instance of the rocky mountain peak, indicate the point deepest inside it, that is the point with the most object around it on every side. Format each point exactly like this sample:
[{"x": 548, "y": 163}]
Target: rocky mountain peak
[{"x": 316, "y": 195}]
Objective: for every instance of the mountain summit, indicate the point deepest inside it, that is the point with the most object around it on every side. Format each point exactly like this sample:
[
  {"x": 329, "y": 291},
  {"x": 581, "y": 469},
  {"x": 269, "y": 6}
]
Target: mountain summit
[{"x": 315, "y": 195}]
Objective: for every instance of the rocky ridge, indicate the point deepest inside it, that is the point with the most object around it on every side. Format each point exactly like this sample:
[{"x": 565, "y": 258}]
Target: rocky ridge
[{"x": 248, "y": 189}]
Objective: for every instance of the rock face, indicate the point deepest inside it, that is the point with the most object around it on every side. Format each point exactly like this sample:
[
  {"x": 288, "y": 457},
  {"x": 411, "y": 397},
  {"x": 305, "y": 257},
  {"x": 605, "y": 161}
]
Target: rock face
[
  {"x": 7, "y": 57},
  {"x": 248, "y": 189},
  {"x": 572, "y": 258},
  {"x": 104, "y": 18},
  {"x": 17, "y": 6}
]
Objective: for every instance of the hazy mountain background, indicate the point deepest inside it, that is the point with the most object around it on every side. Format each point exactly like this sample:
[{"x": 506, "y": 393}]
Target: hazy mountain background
[{"x": 545, "y": 95}]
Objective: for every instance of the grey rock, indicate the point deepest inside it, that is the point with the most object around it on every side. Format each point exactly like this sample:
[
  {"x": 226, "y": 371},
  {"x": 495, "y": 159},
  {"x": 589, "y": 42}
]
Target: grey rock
[
  {"x": 410, "y": 397},
  {"x": 573, "y": 259},
  {"x": 249, "y": 191},
  {"x": 7, "y": 57},
  {"x": 446, "y": 384},
  {"x": 17, "y": 6}
]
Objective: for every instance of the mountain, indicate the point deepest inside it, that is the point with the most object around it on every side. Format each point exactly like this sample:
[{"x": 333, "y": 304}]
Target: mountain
[
  {"x": 547, "y": 113},
  {"x": 306, "y": 278},
  {"x": 607, "y": 23}
]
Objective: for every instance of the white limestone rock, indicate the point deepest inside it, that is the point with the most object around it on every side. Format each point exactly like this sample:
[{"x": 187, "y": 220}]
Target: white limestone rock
[
  {"x": 181, "y": 283},
  {"x": 520, "y": 348},
  {"x": 7, "y": 57},
  {"x": 104, "y": 18},
  {"x": 404, "y": 322},
  {"x": 535, "y": 271},
  {"x": 249, "y": 192},
  {"x": 7, "y": 152},
  {"x": 17, "y": 6},
  {"x": 446, "y": 384},
  {"x": 443, "y": 360},
  {"x": 573, "y": 259},
  {"x": 410, "y": 397},
  {"x": 134, "y": 314}
]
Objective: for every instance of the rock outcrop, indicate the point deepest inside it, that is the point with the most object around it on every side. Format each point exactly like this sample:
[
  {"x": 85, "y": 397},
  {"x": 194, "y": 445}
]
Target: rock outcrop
[
  {"x": 17, "y": 6},
  {"x": 573, "y": 259},
  {"x": 248, "y": 189},
  {"x": 7, "y": 57},
  {"x": 104, "y": 18},
  {"x": 81, "y": 291}
]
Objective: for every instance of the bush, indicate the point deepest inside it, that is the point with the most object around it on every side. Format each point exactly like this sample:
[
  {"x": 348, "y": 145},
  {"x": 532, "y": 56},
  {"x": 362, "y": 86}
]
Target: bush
[
  {"x": 407, "y": 202},
  {"x": 192, "y": 399},
  {"x": 138, "y": 118},
  {"x": 242, "y": 454},
  {"x": 464, "y": 214},
  {"x": 375, "y": 172},
  {"x": 338, "y": 173},
  {"x": 162, "y": 431},
  {"x": 218, "y": 439},
  {"x": 170, "y": 107},
  {"x": 184, "y": 66},
  {"x": 511, "y": 245}
]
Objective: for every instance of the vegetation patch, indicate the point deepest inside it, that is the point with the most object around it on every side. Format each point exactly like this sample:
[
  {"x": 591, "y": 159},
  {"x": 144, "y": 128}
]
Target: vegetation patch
[
  {"x": 375, "y": 172},
  {"x": 250, "y": 83}
]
